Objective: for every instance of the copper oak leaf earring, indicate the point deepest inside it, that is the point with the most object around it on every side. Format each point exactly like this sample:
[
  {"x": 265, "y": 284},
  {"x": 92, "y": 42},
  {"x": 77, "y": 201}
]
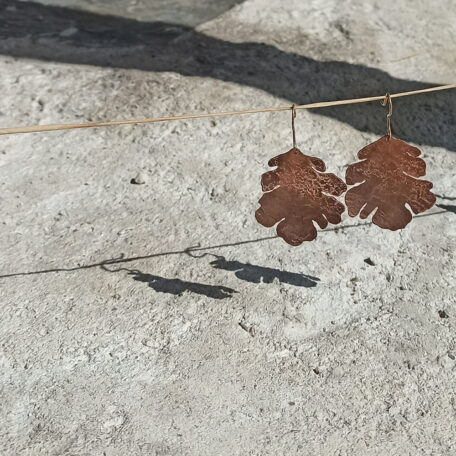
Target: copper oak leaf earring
[
  {"x": 387, "y": 177},
  {"x": 297, "y": 193}
]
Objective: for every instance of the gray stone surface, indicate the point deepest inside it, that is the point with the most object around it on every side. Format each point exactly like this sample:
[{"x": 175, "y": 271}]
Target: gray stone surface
[
  {"x": 117, "y": 338},
  {"x": 185, "y": 12}
]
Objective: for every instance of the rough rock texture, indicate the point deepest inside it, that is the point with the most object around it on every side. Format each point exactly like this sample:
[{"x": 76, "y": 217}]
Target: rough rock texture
[
  {"x": 245, "y": 345},
  {"x": 188, "y": 12}
]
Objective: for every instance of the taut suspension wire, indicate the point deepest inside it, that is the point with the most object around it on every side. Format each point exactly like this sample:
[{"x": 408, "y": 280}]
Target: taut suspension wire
[{"x": 324, "y": 104}]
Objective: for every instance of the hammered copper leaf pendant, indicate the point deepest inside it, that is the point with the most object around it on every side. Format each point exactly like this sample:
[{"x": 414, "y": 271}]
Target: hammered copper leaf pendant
[
  {"x": 298, "y": 193},
  {"x": 388, "y": 181},
  {"x": 387, "y": 177}
]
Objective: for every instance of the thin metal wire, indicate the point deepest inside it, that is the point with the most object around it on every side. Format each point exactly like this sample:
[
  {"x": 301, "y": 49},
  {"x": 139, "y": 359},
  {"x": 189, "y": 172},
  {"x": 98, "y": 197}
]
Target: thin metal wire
[
  {"x": 387, "y": 100},
  {"x": 293, "y": 116},
  {"x": 324, "y": 104}
]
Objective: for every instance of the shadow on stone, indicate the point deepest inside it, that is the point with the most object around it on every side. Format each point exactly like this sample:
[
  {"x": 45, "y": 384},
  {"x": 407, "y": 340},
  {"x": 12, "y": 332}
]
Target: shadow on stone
[
  {"x": 121, "y": 259},
  {"x": 178, "y": 287},
  {"x": 448, "y": 207},
  {"x": 57, "y": 34},
  {"x": 260, "y": 274}
]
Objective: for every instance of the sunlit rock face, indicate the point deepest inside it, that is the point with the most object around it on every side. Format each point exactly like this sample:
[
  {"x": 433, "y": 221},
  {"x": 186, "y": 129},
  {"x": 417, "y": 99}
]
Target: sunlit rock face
[{"x": 184, "y": 12}]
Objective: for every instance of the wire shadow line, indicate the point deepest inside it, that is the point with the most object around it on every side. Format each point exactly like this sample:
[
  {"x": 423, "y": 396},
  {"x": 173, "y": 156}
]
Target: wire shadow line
[{"x": 121, "y": 259}]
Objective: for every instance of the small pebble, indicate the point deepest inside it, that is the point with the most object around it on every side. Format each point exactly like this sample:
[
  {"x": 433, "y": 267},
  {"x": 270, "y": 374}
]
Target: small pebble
[
  {"x": 70, "y": 31},
  {"x": 138, "y": 180}
]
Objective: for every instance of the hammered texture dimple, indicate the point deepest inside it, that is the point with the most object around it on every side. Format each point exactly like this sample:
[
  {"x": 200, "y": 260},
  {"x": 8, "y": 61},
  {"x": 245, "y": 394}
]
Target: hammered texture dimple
[
  {"x": 387, "y": 177},
  {"x": 298, "y": 193}
]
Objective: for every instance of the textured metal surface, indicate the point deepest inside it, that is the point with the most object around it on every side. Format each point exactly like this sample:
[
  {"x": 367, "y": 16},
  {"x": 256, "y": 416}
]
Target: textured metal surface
[
  {"x": 298, "y": 194},
  {"x": 387, "y": 176}
]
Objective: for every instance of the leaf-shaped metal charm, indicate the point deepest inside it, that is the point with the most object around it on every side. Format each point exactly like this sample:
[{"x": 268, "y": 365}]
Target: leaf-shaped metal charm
[
  {"x": 298, "y": 193},
  {"x": 388, "y": 175}
]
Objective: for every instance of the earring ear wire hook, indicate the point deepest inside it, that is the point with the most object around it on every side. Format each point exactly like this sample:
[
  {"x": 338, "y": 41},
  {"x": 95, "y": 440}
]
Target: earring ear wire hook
[
  {"x": 293, "y": 115},
  {"x": 384, "y": 102}
]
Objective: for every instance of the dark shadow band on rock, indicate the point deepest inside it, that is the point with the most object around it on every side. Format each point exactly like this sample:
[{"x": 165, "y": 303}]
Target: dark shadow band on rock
[{"x": 65, "y": 35}]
